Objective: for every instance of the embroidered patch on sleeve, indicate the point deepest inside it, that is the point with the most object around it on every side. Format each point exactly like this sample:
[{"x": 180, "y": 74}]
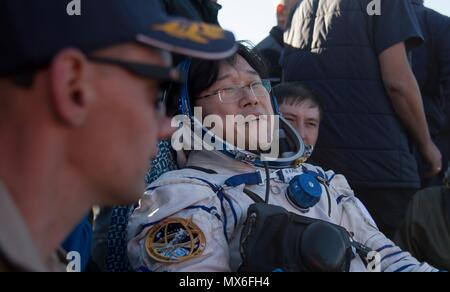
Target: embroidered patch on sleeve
[{"x": 175, "y": 240}]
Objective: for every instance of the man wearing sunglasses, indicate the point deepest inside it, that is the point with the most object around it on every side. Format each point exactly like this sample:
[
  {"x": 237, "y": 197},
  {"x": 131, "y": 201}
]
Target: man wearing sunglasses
[{"x": 79, "y": 114}]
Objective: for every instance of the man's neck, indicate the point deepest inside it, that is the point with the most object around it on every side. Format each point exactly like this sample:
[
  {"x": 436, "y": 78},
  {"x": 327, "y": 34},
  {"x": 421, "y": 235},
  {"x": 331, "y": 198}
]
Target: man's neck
[{"x": 46, "y": 192}]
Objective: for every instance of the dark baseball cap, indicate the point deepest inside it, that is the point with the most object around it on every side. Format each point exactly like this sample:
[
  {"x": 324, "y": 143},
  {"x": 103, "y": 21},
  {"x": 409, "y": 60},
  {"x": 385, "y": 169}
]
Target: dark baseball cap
[{"x": 33, "y": 31}]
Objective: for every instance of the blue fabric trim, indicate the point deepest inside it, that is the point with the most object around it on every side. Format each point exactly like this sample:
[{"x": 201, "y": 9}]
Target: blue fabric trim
[
  {"x": 152, "y": 188},
  {"x": 275, "y": 105},
  {"x": 403, "y": 268},
  {"x": 250, "y": 179},
  {"x": 391, "y": 255},
  {"x": 384, "y": 247},
  {"x": 399, "y": 260},
  {"x": 339, "y": 199},
  {"x": 184, "y": 97},
  {"x": 323, "y": 175},
  {"x": 332, "y": 177}
]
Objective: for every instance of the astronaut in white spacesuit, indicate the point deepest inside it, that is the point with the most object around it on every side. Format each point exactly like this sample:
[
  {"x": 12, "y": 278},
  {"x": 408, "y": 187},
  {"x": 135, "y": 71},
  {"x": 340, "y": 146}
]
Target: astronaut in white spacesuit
[{"x": 192, "y": 219}]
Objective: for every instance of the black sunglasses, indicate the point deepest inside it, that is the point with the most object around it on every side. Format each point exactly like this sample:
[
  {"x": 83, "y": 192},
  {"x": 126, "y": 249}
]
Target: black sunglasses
[
  {"x": 159, "y": 73},
  {"x": 170, "y": 79}
]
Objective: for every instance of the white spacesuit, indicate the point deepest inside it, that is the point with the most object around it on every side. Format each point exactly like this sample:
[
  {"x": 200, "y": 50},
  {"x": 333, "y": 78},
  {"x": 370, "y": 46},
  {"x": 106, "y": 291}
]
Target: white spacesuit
[
  {"x": 192, "y": 219},
  {"x": 183, "y": 223}
]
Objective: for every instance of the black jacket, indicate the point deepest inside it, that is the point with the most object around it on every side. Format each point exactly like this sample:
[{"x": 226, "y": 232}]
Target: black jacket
[
  {"x": 333, "y": 47},
  {"x": 198, "y": 10},
  {"x": 431, "y": 64}
]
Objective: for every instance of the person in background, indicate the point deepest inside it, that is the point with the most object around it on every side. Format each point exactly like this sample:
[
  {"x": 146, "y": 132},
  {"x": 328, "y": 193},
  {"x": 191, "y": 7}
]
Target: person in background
[
  {"x": 425, "y": 232},
  {"x": 302, "y": 108},
  {"x": 272, "y": 46},
  {"x": 431, "y": 66},
  {"x": 197, "y": 10},
  {"x": 373, "y": 111}
]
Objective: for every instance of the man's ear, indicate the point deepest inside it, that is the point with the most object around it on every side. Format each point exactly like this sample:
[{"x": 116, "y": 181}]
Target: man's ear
[
  {"x": 71, "y": 91},
  {"x": 280, "y": 9}
]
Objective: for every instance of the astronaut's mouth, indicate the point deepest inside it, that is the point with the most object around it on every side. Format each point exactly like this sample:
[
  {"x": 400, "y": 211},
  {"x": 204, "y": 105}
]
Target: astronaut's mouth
[{"x": 252, "y": 119}]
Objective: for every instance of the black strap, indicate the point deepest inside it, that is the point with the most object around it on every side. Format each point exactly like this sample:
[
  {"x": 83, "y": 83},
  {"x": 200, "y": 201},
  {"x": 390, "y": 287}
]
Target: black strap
[
  {"x": 253, "y": 196},
  {"x": 327, "y": 189},
  {"x": 208, "y": 171},
  {"x": 313, "y": 25}
]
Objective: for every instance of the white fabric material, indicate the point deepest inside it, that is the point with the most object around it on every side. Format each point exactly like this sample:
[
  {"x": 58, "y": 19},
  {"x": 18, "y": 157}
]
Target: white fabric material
[{"x": 178, "y": 190}]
